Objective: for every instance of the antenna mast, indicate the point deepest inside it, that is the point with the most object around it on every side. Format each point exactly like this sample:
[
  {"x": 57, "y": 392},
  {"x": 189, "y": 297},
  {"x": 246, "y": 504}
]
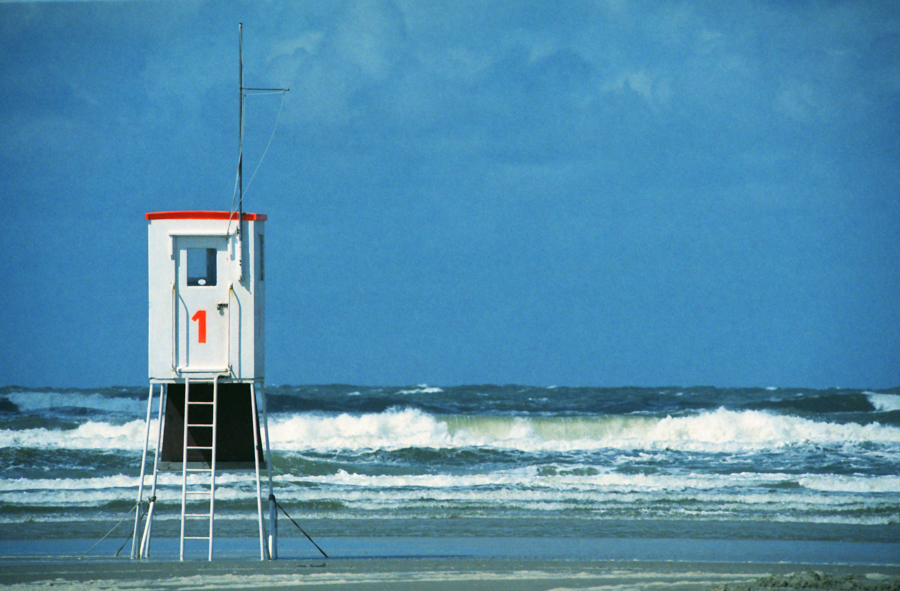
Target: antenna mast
[
  {"x": 240, "y": 174},
  {"x": 240, "y": 126}
]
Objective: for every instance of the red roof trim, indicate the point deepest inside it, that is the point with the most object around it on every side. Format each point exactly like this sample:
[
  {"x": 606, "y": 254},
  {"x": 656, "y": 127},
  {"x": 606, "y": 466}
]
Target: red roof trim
[{"x": 203, "y": 215}]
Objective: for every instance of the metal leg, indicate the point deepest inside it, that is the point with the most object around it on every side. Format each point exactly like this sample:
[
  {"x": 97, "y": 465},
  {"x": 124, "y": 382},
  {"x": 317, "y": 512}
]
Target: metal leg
[
  {"x": 262, "y": 527},
  {"x": 145, "y": 540},
  {"x": 273, "y": 514},
  {"x": 140, "y": 499}
]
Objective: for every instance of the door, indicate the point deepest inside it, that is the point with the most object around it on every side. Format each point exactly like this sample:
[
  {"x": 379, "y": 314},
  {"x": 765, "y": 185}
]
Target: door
[{"x": 202, "y": 298}]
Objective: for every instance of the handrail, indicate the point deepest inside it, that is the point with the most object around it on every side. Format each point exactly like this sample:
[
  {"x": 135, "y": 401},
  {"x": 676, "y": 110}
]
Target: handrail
[
  {"x": 228, "y": 350},
  {"x": 174, "y": 328}
]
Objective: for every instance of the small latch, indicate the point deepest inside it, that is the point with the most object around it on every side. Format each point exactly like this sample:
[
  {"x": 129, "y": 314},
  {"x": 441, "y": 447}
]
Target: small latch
[{"x": 221, "y": 305}]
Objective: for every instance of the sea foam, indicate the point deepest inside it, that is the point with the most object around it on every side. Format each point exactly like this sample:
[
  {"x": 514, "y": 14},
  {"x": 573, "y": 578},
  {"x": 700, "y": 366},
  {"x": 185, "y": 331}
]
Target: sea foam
[
  {"x": 90, "y": 435},
  {"x": 719, "y": 430},
  {"x": 885, "y": 402}
]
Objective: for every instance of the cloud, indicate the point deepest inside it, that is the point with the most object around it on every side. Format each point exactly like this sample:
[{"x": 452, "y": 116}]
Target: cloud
[
  {"x": 333, "y": 65},
  {"x": 654, "y": 88},
  {"x": 308, "y": 42},
  {"x": 42, "y": 137},
  {"x": 797, "y": 100},
  {"x": 371, "y": 35}
]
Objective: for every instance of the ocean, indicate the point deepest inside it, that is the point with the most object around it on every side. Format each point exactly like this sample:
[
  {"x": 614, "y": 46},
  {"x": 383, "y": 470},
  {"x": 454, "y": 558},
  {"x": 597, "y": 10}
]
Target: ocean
[{"x": 543, "y": 471}]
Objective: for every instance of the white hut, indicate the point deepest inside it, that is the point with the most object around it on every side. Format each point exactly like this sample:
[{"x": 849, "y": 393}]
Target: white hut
[
  {"x": 207, "y": 296},
  {"x": 207, "y": 360}
]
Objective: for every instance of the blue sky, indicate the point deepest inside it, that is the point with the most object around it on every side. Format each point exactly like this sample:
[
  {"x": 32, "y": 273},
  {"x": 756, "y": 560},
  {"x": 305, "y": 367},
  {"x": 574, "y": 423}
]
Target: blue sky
[{"x": 579, "y": 193}]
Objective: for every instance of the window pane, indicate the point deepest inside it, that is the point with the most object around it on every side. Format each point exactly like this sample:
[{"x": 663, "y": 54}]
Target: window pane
[
  {"x": 201, "y": 266},
  {"x": 262, "y": 258}
]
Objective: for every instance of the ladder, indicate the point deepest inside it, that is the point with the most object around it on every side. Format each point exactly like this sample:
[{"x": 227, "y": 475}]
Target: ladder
[{"x": 203, "y": 430}]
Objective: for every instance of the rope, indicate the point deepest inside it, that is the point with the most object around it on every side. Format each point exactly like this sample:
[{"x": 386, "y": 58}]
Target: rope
[
  {"x": 272, "y": 498},
  {"x": 127, "y": 515},
  {"x": 274, "y": 129},
  {"x": 130, "y": 534},
  {"x": 241, "y": 155}
]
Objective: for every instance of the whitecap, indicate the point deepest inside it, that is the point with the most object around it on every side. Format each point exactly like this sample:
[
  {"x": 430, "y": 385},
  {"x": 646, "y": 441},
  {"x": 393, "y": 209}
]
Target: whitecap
[
  {"x": 884, "y": 402},
  {"x": 90, "y": 435},
  {"x": 716, "y": 431},
  {"x": 421, "y": 389}
]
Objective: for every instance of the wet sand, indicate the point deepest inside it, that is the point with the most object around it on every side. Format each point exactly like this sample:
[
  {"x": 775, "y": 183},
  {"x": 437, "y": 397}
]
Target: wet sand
[{"x": 433, "y": 574}]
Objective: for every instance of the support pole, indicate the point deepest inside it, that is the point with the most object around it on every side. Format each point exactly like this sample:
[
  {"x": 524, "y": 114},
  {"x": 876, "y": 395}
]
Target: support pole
[
  {"x": 273, "y": 514},
  {"x": 262, "y": 526},
  {"x": 240, "y": 180},
  {"x": 140, "y": 499},
  {"x": 145, "y": 540}
]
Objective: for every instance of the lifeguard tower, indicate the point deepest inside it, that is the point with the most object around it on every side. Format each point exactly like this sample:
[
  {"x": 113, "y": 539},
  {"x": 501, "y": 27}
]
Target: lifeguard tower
[{"x": 206, "y": 364}]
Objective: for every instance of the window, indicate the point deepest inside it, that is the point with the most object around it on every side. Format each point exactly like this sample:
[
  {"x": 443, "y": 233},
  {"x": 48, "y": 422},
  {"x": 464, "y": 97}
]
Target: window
[
  {"x": 201, "y": 266},
  {"x": 262, "y": 258}
]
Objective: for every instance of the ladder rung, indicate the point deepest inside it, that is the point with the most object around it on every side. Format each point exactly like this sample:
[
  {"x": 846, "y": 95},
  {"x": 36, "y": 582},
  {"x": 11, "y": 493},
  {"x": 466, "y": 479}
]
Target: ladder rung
[
  {"x": 199, "y": 425},
  {"x": 200, "y": 402},
  {"x": 199, "y": 447},
  {"x": 196, "y": 537}
]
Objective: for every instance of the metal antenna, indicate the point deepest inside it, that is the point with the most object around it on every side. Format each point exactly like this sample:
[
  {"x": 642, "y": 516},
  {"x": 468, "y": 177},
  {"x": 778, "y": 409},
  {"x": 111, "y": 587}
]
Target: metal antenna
[
  {"x": 240, "y": 127},
  {"x": 241, "y": 121},
  {"x": 240, "y": 174}
]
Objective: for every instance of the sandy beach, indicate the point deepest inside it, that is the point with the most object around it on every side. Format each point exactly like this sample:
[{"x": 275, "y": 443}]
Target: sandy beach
[
  {"x": 438, "y": 574},
  {"x": 456, "y": 564}
]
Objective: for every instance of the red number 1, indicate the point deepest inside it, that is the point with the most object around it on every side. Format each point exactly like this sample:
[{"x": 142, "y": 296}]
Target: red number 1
[{"x": 200, "y": 317}]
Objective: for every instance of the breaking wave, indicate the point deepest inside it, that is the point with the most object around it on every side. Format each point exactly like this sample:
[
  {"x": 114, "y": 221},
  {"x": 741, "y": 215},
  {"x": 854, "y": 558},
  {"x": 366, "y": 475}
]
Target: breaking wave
[
  {"x": 885, "y": 402},
  {"x": 719, "y": 430}
]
